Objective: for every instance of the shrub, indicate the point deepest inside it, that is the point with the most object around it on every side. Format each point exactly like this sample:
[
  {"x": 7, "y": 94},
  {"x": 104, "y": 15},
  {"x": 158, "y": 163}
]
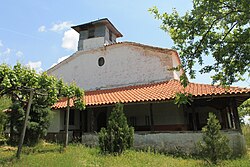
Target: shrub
[
  {"x": 38, "y": 125},
  {"x": 246, "y": 133},
  {"x": 39, "y": 120},
  {"x": 5, "y": 103},
  {"x": 3, "y": 121},
  {"x": 214, "y": 146},
  {"x": 118, "y": 136}
]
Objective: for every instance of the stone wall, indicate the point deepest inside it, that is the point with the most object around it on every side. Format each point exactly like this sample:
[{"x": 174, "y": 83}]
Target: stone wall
[{"x": 184, "y": 142}]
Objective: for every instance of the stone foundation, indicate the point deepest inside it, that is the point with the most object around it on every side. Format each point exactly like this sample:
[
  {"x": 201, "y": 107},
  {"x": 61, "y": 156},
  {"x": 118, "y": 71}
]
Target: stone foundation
[{"x": 182, "y": 142}]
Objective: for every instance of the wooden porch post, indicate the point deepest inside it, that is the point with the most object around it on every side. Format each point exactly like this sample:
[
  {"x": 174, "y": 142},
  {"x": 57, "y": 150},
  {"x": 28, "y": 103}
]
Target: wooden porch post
[
  {"x": 91, "y": 120},
  {"x": 236, "y": 115},
  {"x": 224, "y": 118},
  {"x": 230, "y": 117},
  {"x": 66, "y": 140},
  {"x": 151, "y": 117},
  {"x": 194, "y": 117},
  {"x": 81, "y": 129}
]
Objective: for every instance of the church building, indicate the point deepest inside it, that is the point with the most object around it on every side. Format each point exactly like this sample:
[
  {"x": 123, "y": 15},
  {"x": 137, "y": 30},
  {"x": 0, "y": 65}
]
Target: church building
[{"x": 140, "y": 77}]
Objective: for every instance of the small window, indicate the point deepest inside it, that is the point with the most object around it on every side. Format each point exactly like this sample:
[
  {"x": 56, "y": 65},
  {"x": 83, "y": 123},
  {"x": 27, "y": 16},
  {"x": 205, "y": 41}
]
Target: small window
[
  {"x": 110, "y": 35},
  {"x": 147, "y": 120},
  {"x": 71, "y": 117},
  {"x": 91, "y": 33},
  {"x": 132, "y": 121},
  {"x": 101, "y": 61}
]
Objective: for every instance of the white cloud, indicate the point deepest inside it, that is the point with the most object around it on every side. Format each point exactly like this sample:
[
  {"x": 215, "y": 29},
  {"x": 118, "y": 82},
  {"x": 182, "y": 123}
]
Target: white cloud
[
  {"x": 59, "y": 60},
  {"x": 19, "y": 54},
  {"x": 42, "y": 29},
  {"x": 35, "y": 65},
  {"x": 1, "y": 43},
  {"x": 7, "y": 51},
  {"x": 70, "y": 40},
  {"x": 61, "y": 26}
]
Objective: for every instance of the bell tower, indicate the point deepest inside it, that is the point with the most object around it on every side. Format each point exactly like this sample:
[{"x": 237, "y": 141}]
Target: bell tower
[{"x": 96, "y": 34}]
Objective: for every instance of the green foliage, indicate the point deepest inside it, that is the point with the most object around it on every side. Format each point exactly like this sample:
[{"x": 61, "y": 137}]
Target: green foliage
[
  {"x": 214, "y": 145},
  {"x": 17, "y": 82},
  {"x": 218, "y": 29},
  {"x": 16, "y": 117},
  {"x": 118, "y": 136},
  {"x": 183, "y": 99},
  {"x": 5, "y": 103},
  {"x": 38, "y": 125},
  {"x": 74, "y": 92},
  {"x": 3, "y": 120},
  {"x": 244, "y": 109},
  {"x": 78, "y": 155},
  {"x": 39, "y": 121},
  {"x": 246, "y": 133}
]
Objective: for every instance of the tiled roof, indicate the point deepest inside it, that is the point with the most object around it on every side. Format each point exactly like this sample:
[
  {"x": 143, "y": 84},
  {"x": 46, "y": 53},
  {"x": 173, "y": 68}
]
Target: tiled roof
[{"x": 151, "y": 92}]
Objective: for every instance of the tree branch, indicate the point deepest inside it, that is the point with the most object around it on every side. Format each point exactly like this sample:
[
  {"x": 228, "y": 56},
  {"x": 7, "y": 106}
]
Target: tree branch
[
  {"x": 209, "y": 29},
  {"x": 204, "y": 36},
  {"x": 229, "y": 30}
]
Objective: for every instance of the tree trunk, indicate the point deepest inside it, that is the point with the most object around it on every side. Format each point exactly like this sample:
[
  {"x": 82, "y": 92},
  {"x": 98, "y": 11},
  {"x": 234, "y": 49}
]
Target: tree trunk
[
  {"x": 66, "y": 141},
  {"x": 24, "y": 125}
]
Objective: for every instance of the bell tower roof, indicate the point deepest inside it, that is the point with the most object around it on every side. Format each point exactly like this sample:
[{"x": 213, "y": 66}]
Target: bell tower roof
[
  {"x": 96, "y": 23},
  {"x": 96, "y": 34}
]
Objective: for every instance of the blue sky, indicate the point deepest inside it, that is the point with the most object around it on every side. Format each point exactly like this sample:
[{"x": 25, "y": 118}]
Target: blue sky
[{"x": 37, "y": 32}]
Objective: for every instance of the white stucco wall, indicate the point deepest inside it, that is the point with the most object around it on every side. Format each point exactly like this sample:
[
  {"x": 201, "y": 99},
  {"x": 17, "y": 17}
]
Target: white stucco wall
[
  {"x": 92, "y": 43},
  {"x": 124, "y": 65},
  {"x": 176, "y": 63},
  {"x": 185, "y": 142}
]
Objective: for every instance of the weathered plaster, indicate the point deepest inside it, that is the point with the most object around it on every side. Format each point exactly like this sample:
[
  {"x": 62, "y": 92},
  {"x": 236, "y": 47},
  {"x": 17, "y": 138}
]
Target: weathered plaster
[
  {"x": 125, "y": 65},
  {"x": 182, "y": 142}
]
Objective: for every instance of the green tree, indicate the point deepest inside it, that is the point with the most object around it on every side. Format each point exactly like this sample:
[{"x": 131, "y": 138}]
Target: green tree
[
  {"x": 244, "y": 110},
  {"x": 5, "y": 103},
  {"x": 32, "y": 93},
  {"x": 220, "y": 29},
  {"x": 214, "y": 145},
  {"x": 118, "y": 136},
  {"x": 17, "y": 82}
]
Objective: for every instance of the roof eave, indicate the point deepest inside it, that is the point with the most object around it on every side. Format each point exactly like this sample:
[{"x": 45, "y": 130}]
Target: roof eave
[{"x": 105, "y": 21}]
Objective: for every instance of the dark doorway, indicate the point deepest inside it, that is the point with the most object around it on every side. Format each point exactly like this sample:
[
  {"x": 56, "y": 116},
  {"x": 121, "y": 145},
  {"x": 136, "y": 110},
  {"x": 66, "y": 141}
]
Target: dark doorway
[{"x": 101, "y": 120}]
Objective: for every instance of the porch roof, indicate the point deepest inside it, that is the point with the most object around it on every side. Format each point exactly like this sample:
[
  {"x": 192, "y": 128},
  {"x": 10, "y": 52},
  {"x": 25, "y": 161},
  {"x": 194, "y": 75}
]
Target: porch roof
[{"x": 161, "y": 91}]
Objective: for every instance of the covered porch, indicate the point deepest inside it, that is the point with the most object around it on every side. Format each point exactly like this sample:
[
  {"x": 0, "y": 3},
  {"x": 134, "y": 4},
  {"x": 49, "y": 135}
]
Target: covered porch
[
  {"x": 156, "y": 117},
  {"x": 150, "y": 109}
]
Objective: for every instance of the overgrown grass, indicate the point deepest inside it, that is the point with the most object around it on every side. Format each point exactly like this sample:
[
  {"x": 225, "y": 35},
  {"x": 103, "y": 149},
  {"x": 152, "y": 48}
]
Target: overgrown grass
[
  {"x": 79, "y": 155},
  {"x": 246, "y": 132}
]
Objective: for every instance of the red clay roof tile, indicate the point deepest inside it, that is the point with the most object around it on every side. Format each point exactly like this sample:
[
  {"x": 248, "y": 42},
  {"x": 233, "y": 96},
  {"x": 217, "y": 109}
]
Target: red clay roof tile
[{"x": 150, "y": 92}]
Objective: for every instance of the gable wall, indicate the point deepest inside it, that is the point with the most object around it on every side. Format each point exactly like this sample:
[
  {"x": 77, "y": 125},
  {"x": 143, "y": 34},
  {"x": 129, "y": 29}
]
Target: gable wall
[{"x": 124, "y": 65}]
